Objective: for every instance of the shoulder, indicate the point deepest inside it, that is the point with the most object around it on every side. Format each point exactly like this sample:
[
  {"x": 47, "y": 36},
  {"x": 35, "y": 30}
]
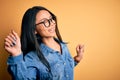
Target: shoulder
[
  {"x": 31, "y": 58},
  {"x": 32, "y": 55}
]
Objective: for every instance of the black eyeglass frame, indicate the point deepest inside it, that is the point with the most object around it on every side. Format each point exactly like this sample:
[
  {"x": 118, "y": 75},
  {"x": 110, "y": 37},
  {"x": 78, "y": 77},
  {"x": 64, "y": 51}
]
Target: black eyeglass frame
[{"x": 49, "y": 22}]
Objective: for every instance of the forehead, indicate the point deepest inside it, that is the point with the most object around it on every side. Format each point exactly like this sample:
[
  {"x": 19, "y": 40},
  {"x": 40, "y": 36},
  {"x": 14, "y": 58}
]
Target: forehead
[{"x": 42, "y": 14}]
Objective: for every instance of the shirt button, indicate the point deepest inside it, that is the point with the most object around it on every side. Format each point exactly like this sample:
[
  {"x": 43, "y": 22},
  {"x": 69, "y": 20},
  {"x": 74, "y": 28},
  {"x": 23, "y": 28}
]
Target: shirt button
[
  {"x": 67, "y": 76},
  {"x": 64, "y": 63}
]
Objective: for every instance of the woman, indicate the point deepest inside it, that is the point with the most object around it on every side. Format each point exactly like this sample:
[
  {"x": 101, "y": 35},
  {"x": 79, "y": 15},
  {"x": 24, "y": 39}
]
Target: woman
[{"x": 41, "y": 54}]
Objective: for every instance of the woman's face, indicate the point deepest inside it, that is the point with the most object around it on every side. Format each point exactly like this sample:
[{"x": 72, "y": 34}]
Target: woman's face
[{"x": 45, "y": 25}]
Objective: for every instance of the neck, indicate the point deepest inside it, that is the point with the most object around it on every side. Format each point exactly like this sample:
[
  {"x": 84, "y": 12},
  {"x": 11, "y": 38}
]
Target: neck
[{"x": 48, "y": 41}]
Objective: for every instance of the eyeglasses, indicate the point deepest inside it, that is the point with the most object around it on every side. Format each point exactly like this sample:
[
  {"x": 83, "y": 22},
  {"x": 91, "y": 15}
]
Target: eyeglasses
[{"x": 47, "y": 22}]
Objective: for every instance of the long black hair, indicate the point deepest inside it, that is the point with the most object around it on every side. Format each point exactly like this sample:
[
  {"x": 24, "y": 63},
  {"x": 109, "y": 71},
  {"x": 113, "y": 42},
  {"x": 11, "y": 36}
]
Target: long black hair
[{"x": 29, "y": 40}]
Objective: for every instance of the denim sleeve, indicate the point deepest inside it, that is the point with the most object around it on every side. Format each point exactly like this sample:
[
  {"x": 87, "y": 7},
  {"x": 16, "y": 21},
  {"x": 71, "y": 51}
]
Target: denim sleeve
[
  {"x": 19, "y": 68},
  {"x": 75, "y": 63}
]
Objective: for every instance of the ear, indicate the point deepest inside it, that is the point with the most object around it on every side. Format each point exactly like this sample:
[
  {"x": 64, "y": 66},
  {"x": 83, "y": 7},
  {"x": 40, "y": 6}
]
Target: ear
[{"x": 35, "y": 32}]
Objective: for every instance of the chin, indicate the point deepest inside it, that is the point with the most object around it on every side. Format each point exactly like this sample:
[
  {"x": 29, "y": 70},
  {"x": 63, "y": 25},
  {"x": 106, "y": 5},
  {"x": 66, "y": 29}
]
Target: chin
[{"x": 52, "y": 34}]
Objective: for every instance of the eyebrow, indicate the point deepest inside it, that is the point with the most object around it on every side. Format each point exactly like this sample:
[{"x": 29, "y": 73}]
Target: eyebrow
[{"x": 45, "y": 19}]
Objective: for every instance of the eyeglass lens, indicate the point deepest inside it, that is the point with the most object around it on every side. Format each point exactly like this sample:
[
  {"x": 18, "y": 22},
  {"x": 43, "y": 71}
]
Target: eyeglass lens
[{"x": 47, "y": 22}]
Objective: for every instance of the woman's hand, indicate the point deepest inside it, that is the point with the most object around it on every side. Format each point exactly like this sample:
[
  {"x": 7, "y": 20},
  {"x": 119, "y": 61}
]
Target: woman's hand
[
  {"x": 12, "y": 44},
  {"x": 80, "y": 51}
]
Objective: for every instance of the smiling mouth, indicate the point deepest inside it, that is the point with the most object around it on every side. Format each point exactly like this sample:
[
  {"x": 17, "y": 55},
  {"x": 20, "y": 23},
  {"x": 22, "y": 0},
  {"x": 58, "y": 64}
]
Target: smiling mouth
[{"x": 51, "y": 30}]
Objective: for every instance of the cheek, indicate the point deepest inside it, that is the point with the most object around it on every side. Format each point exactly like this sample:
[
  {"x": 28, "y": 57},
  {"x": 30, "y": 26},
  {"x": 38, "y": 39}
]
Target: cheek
[{"x": 41, "y": 32}]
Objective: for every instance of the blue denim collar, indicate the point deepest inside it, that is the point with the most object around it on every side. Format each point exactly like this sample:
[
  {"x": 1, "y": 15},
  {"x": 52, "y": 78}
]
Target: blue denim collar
[{"x": 47, "y": 50}]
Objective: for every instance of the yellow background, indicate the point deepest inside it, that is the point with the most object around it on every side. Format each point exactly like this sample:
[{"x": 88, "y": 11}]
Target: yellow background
[{"x": 94, "y": 23}]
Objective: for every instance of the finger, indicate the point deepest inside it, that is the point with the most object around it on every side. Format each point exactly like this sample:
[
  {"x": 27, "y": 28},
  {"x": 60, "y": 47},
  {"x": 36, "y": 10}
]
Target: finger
[
  {"x": 77, "y": 47},
  {"x": 15, "y": 34},
  {"x": 14, "y": 39},
  {"x": 7, "y": 44},
  {"x": 81, "y": 47},
  {"x": 7, "y": 47},
  {"x": 10, "y": 39}
]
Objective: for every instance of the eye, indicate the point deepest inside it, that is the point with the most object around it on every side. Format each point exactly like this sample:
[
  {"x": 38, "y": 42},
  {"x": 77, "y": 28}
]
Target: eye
[{"x": 45, "y": 21}]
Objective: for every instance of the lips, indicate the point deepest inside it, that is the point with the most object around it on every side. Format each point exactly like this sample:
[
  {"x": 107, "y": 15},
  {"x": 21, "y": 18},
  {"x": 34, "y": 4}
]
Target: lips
[{"x": 51, "y": 30}]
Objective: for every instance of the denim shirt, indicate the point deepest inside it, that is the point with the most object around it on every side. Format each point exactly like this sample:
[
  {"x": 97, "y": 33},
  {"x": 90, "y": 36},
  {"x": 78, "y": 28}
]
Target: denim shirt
[{"x": 29, "y": 67}]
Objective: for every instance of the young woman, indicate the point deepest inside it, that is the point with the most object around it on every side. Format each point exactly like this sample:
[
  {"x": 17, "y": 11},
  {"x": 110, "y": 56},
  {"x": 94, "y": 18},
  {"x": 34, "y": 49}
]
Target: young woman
[{"x": 40, "y": 53}]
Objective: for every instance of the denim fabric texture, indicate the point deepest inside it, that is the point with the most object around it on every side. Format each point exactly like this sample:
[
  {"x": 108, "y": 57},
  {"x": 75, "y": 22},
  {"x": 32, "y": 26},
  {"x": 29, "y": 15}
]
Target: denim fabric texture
[{"x": 29, "y": 67}]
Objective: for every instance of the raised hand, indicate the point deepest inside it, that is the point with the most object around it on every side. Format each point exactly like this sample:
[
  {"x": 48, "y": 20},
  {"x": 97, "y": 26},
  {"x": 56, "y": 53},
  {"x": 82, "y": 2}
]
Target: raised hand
[
  {"x": 12, "y": 44},
  {"x": 79, "y": 51}
]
